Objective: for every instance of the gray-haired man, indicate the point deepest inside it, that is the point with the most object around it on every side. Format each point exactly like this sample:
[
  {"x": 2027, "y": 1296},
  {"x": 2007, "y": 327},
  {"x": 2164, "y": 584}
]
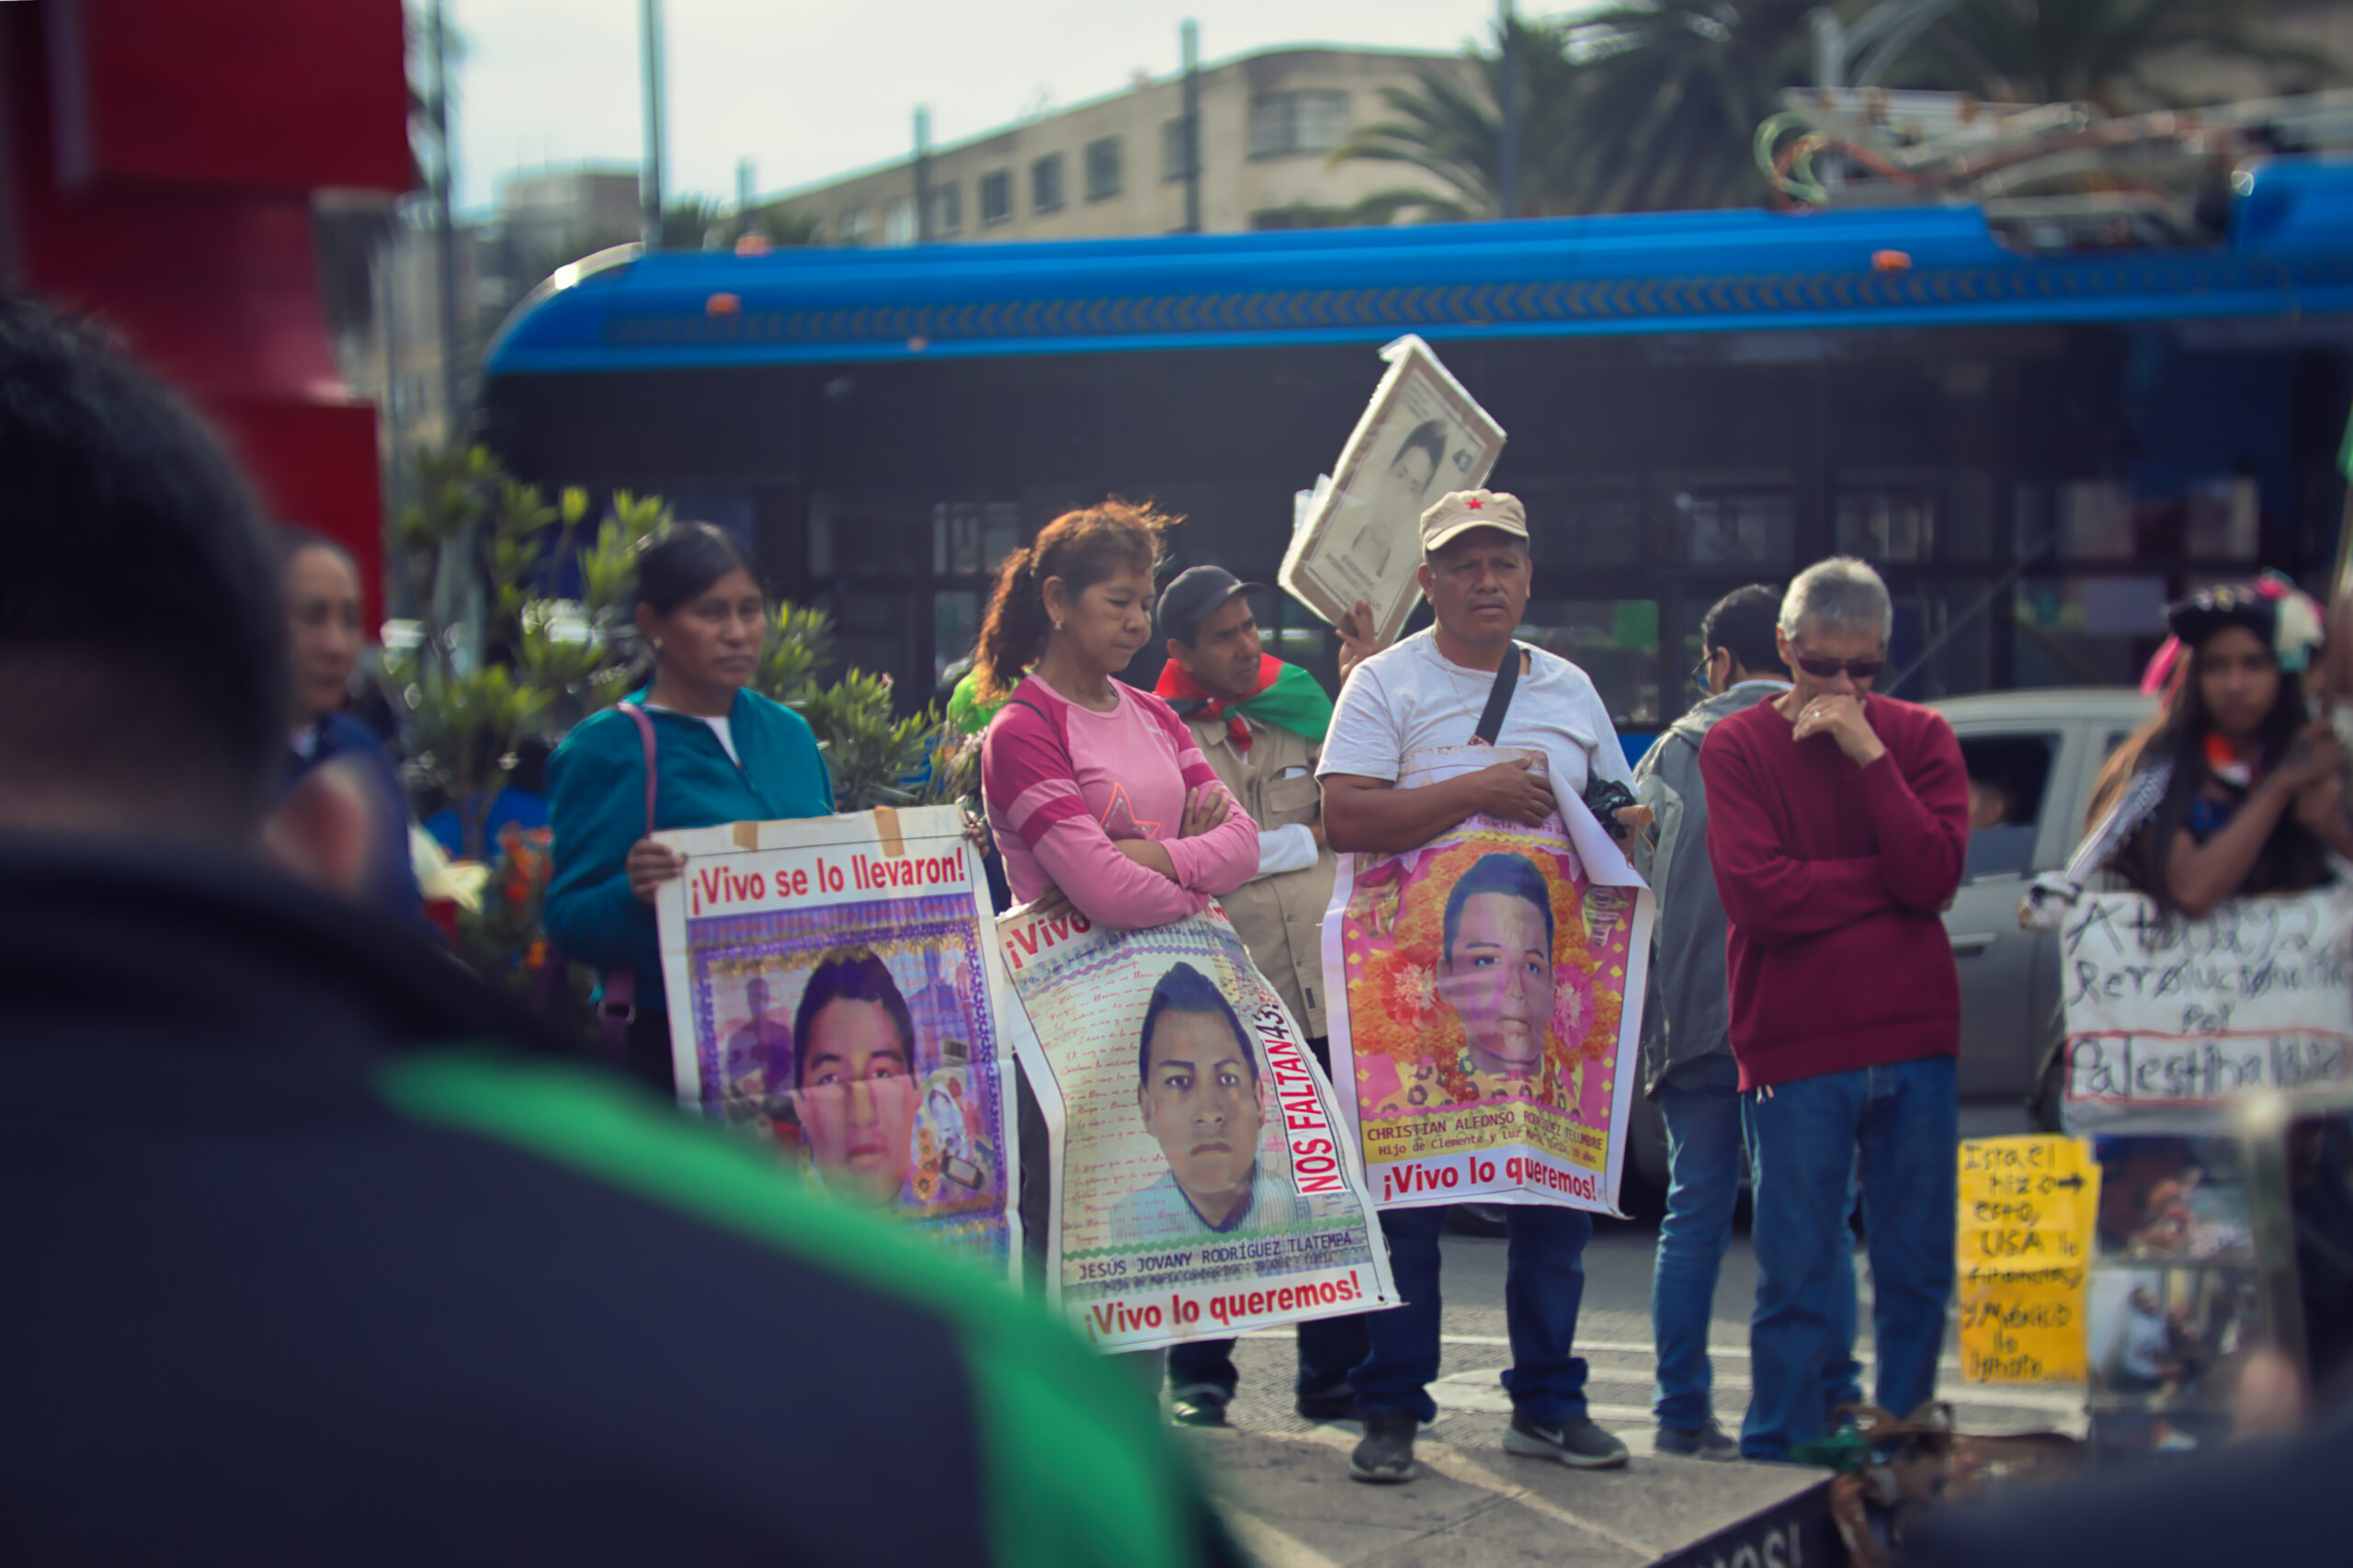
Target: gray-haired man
[{"x": 1837, "y": 826}]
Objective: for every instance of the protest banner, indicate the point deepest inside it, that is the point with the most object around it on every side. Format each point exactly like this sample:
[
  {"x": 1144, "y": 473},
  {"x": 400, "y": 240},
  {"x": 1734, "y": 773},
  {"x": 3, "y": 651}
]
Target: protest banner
[
  {"x": 1419, "y": 437},
  {"x": 1466, "y": 1077},
  {"x": 1201, "y": 1184},
  {"x": 2171, "y": 1021},
  {"x": 2028, "y": 1207},
  {"x": 2194, "y": 1273},
  {"x": 834, "y": 989}
]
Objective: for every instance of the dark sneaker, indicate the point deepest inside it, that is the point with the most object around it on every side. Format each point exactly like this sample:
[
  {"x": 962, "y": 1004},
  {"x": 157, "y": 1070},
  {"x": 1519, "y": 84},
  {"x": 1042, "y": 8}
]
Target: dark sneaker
[
  {"x": 1578, "y": 1444},
  {"x": 1198, "y": 1407},
  {"x": 1335, "y": 1404},
  {"x": 1386, "y": 1455},
  {"x": 1707, "y": 1442}
]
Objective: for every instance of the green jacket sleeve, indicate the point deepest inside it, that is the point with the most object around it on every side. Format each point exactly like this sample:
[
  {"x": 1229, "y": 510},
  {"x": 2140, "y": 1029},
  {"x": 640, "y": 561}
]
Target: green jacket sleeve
[{"x": 596, "y": 809}]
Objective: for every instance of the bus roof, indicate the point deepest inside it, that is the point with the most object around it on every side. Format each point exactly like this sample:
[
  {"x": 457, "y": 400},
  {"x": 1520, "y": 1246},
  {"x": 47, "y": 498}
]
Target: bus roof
[{"x": 2288, "y": 253}]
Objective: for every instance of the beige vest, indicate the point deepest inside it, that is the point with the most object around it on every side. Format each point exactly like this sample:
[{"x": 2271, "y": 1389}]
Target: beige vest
[{"x": 1280, "y": 918}]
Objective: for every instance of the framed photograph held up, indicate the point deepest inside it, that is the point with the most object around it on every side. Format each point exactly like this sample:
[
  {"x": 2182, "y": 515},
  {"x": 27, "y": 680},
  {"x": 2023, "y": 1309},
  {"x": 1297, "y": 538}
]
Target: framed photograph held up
[{"x": 1421, "y": 437}]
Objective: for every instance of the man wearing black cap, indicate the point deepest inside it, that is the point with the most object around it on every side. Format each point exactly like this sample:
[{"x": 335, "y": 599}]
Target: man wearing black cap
[{"x": 1260, "y": 722}]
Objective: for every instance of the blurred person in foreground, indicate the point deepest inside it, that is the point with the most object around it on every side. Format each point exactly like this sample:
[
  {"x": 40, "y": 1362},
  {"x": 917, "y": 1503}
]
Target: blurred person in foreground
[
  {"x": 1425, "y": 693},
  {"x": 1687, "y": 1066},
  {"x": 1260, "y": 724},
  {"x": 321, "y": 587},
  {"x": 1836, "y": 823},
  {"x": 2268, "y": 1501},
  {"x": 294, "y": 1276}
]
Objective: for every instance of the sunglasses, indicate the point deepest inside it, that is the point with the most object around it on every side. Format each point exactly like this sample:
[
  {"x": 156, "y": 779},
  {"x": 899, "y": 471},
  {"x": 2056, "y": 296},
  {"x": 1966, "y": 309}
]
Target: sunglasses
[{"x": 1828, "y": 670}]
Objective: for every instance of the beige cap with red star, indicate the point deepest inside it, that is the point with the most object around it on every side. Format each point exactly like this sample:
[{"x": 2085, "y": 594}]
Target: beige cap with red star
[{"x": 1462, "y": 510}]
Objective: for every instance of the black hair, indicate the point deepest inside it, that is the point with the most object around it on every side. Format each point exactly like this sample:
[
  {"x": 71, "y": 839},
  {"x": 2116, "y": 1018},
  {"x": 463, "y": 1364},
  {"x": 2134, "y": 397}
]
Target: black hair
[
  {"x": 1742, "y": 621},
  {"x": 292, "y": 539},
  {"x": 683, "y": 561},
  {"x": 117, "y": 496},
  {"x": 853, "y": 974},
  {"x": 1185, "y": 989},
  {"x": 1502, "y": 871},
  {"x": 1430, "y": 436},
  {"x": 2291, "y": 860}
]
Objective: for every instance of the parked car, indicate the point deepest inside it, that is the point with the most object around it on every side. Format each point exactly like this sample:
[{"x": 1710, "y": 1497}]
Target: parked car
[{"x": 2033, "y": 759}]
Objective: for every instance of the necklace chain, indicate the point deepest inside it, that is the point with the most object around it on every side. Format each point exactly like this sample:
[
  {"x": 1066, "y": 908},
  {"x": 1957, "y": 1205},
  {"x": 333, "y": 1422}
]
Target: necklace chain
[{"x": 1454, "y": 675}]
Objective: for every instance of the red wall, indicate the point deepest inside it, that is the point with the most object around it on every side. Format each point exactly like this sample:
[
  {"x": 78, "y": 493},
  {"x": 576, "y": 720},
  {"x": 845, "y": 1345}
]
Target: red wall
[{"x": 158, "y": 160}]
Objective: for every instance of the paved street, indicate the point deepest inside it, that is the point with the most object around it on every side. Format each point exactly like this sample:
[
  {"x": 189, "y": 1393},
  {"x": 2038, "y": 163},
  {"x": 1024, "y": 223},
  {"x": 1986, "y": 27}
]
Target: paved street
[{"x": 1286, "y": 1487}]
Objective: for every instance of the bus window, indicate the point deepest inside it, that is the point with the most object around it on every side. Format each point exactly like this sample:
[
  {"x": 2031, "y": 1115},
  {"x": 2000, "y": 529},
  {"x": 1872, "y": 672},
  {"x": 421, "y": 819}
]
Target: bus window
[
  {"x": 1726, "y": 522},
  {"x": 1613, "y": 641}
]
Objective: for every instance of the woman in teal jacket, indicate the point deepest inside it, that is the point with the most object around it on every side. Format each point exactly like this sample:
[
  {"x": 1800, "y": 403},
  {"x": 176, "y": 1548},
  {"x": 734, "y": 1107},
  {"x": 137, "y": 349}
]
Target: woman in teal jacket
[{"x": 722, "y": 754}]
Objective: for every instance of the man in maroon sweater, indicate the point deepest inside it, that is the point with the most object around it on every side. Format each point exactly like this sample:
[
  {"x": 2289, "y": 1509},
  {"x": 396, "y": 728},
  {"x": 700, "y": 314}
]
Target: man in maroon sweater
[{"x": 1836, "y": 825}]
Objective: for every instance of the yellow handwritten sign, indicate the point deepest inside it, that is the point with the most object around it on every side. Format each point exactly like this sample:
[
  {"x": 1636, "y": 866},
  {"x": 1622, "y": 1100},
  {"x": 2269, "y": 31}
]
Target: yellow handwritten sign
[{"x": 2027, "y": 1211}]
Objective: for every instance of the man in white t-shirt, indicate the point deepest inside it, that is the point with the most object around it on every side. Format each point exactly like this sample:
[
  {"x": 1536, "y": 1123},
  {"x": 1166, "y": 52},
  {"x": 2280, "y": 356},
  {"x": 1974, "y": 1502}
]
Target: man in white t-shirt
[{"x": 1426, "y": 692}]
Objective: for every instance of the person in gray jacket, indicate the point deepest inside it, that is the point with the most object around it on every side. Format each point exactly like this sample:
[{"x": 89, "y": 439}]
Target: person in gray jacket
[{"x": 1687, "y": 1066}]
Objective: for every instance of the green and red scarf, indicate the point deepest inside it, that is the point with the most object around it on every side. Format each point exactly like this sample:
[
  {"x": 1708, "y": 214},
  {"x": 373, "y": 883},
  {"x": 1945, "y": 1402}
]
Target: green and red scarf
[{"x": 1285, "y": 695}]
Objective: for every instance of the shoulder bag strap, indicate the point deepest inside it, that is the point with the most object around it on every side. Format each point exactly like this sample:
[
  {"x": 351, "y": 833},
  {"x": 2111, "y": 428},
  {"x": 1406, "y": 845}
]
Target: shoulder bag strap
[
  {"x": 645, "y": 739},
  {"x": 1491, "y": 721},
  {"x": 618, "y": 1007}
]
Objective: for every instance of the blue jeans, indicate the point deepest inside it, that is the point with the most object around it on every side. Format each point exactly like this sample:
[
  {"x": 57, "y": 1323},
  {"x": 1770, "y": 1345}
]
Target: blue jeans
[
  {"x": 1699, "y": 1100},
  {"x": 1903, "y": 1118},
  {"x": 1543, "y": 1285},
  {"x": 1329, "y": 1349}
]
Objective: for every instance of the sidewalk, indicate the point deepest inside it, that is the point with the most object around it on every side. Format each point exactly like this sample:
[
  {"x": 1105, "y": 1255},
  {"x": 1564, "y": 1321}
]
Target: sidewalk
[
  {"x": 1284, "y": 1485},
  {"x": 1290, "y": 1503}
]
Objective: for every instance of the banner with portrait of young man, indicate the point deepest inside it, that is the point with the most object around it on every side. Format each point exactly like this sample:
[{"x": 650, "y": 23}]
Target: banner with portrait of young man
[
  {"x": 1492, "y": 982},
  {"x": 1200, "y": 1182},
  {"x": 835, "y": 993}
]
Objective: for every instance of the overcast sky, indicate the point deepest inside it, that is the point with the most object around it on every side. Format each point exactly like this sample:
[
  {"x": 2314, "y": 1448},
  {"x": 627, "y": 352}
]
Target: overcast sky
[{"x": 810, "y": 89}]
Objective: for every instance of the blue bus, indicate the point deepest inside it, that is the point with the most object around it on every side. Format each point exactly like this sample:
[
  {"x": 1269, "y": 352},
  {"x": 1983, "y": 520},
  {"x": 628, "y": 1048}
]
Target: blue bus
[{"x": 2036, "y": 449}]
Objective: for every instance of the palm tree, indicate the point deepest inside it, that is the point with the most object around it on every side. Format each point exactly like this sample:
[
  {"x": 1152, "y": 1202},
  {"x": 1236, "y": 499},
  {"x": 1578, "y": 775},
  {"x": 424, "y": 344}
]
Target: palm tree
[
  {"x": 778, "y": 224},
  {"x": 1449, "y": 127},
  {"x": 1670, "y": 94},
  {"x": 2109, "y": 52},
  {"x": 691, "y": 222},
  {"x": 1648, "y": 104}
]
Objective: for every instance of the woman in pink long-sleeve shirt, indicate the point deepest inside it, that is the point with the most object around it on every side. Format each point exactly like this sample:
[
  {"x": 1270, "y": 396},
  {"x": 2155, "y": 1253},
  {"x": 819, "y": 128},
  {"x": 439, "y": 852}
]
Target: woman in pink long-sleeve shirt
[{"x": 1095, "y": 789}]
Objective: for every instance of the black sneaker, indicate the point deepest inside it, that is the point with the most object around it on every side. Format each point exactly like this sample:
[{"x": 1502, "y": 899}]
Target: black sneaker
[
  {"x": 1578, "y": 1444},
  {"x": 1337, "y": 1403},
  {"x": 1198, "y": 1407},
  {"x": 1708, "y": 1441},
  {"x": 1386, "y": 1455}
]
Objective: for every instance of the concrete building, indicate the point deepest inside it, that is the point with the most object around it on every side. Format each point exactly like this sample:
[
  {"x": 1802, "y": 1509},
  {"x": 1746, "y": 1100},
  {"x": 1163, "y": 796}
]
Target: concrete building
[
  {"x": 599, "y": 205},
  {"x": 391, "y": 352},
  {"x": 1115, "y": 165}
]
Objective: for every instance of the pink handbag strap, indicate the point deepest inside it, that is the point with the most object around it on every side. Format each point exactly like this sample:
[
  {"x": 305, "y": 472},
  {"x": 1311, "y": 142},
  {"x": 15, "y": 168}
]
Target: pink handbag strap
[
  {"x": 618, "y": 1007},
  {"x": 645, "y": 738}
]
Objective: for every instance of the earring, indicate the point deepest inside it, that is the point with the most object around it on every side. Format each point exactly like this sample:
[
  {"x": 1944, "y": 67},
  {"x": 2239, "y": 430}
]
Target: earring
[
  {"x": 1058, "y": 626},
  {"x": 657, "y": 645}
]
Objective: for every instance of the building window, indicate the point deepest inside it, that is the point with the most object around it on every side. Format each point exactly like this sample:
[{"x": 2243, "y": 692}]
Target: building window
[
  {"x": 899, "y": 221},
  {"x": 1103, "y": 169},
  {"x": 996, "y": 197},
  {"x": 1285, "y": 123},
  {"x": 1173, "y": 147},
  {"x": 1046, "y": 184},
  {"x": 855, "y": 227},
  {"x": 947, "y": 209}
]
